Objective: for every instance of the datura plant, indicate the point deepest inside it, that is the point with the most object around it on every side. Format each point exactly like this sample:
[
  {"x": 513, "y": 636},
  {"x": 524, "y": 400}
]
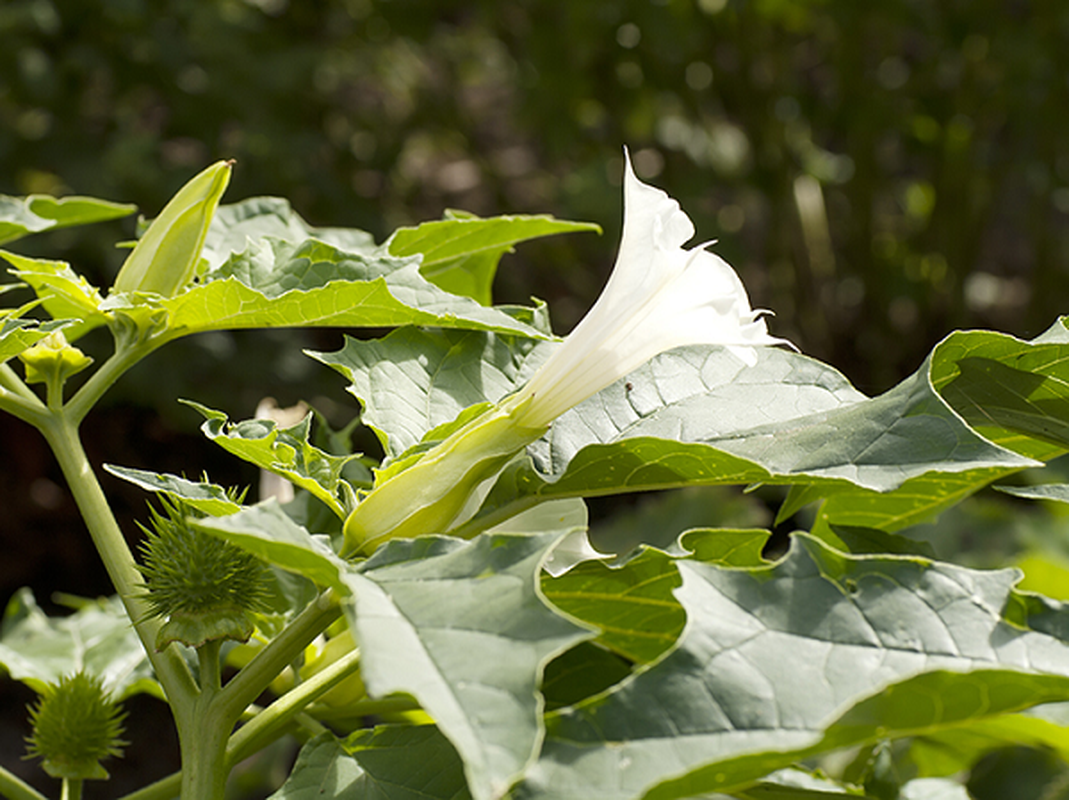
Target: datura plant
[{"x": 436, "y": 620}]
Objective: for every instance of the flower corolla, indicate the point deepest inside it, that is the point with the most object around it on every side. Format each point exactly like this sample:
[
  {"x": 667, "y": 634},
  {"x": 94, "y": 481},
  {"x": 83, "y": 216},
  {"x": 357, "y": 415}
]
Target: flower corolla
[{"x": 659, "y": 296}]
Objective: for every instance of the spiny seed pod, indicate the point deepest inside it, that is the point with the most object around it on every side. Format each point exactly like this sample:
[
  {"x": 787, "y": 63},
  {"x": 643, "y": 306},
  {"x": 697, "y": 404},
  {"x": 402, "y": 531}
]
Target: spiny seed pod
[
  {"x": 205, "y": 588},
  {"x": 165, "y": 258},
  {"x": 75, "y": 726}
]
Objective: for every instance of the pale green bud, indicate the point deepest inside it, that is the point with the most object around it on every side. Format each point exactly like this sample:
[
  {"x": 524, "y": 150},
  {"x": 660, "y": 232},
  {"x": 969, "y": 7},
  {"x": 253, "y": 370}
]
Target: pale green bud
[
  {"x": 441, "y": 489},
  {"x": 165, "y": 258},
  {"x": 53, "y": 359}
]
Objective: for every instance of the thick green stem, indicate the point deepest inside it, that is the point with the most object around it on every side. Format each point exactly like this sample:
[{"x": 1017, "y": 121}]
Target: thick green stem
[
  {"x": 203, "y": 743},
  {"x": 171, "y": 669},
  {"x": 72, "y": 789}
]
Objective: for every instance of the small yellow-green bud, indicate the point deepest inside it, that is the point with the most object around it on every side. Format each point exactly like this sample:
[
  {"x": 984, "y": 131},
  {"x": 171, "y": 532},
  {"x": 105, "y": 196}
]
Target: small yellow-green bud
[
  {"x": 53, "y": 359},
  {"x": 165, "y": 258},
  {"x": 443, "y": 487},
  {"x": 75, "y": 726}
]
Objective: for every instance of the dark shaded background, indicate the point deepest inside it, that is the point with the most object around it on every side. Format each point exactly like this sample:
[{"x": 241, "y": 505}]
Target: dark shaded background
[{"x": 879, "y": 173}]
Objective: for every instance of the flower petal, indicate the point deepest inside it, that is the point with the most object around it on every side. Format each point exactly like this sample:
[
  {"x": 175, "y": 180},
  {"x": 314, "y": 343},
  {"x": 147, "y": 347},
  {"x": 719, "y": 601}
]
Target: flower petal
[{"x": 659, "y": 296}]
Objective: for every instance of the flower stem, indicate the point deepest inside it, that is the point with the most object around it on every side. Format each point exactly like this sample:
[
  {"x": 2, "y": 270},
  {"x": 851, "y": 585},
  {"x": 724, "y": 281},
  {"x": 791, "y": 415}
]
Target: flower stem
[
  {"x": 277, "y": 654},
  {"x": 269, "y": 723},
  {"x": 72, "y": 789},
  {"x": 14, "y": 788}
]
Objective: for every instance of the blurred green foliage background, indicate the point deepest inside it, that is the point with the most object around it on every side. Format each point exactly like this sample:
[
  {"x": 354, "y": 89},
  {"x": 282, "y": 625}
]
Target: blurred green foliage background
[{"x": 878, "y": 173}]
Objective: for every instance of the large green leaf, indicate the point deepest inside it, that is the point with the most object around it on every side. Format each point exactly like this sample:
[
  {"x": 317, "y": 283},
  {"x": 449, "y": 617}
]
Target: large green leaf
[
  {"x": 819, "y": 651},
  {"x": 1012, "y": 392},
  {"x": 21, "y": 216},
  {"x": 696, "y": 415},
  {"x": 461, "y": 252},
  {"x": 414, "y": 380},
  {"x": 275, "y": 283},
  {"x": 37, "y": 649},
  {"x": 460, "y": 626}
]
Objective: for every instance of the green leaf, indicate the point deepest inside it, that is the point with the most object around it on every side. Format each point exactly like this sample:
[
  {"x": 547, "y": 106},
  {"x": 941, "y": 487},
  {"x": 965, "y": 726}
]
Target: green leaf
[
  {"x": 633, "y": 605},
  {"x": 98, "y": 638},
  {"x": 408, "y": 762},
  {"x": 203, "y": 496},
  {"x": 461, "y": 252},
  {"x": 63, "y": 292},
  {"x": 696, "y": 415},
  {"x": 274, "y": 283},
  {"x": 957, "y": 749},
  {"x": 817, "y": 652},
  {"x": 18, "y": 335},
  {"x": 236, "y": 224},
  {"x": 323, "y": 771},
  {"x": 1044, "y": 491},
  {"x": 268, "y": 533},
  {"x": 1014, "y": 392},
  {"x": 21, "y": 216},
  {"x": 460, "y": 627},
  {"x": 284, "y": 451},
  {"x": 385, "y": 763},
  {"x": 405, "y": 397}
]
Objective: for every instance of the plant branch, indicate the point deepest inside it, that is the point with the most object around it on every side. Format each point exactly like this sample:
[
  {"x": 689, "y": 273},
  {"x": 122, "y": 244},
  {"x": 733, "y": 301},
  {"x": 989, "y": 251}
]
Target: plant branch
[
  {"x": 14, "y": 788},
  {"x": 277, "y": 654},
  {"x": 172, "y": 671},
  {"x": 18, "y": 399},
  {"x": 124, "y": 357},
  {"x": 28, "y": 411},
  {"x": 250, "y": 737},
  {"x": 163, "y": 789},
  {"x": 10, "y": 380}
]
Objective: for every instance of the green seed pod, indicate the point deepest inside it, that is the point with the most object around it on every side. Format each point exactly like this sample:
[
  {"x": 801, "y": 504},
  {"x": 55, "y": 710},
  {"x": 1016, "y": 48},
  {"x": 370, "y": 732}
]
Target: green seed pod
[
  {"x": 205, "y": 588},
  {"x": 165, "y": 258},
  {"x": 75, "y": 726}
]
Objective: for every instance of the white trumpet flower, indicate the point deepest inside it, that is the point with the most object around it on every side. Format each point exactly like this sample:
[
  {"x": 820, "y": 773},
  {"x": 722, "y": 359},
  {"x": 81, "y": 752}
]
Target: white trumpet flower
[{"x": 659, "y": 296}]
